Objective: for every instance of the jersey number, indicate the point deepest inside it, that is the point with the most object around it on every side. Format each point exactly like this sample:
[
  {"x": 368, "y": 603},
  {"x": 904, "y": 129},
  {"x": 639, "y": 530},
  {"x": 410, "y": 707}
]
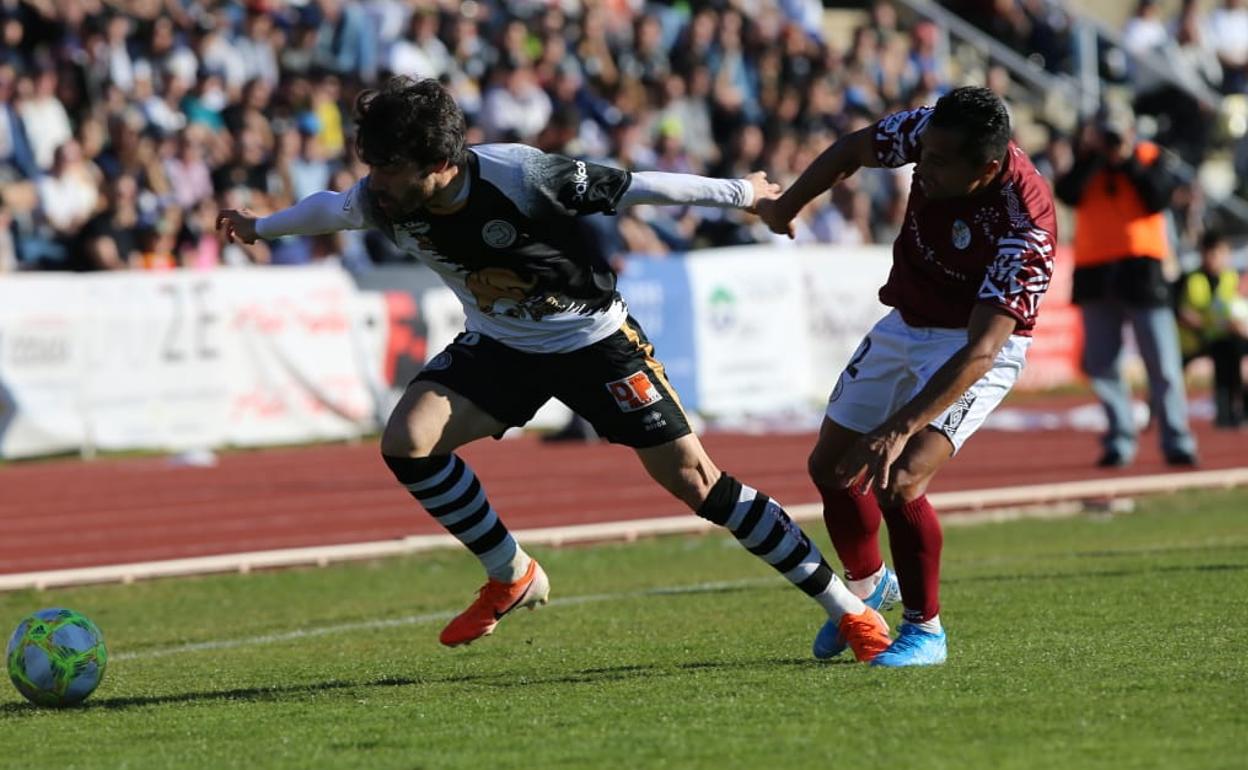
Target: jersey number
[{"x": 852, "y": 366}]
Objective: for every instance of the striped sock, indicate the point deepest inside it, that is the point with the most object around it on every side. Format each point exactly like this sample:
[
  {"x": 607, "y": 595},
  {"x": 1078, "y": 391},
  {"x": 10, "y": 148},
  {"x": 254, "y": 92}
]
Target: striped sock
[
  {"x": 451, "y": 493},
  {"x": 766, "y": 531}
]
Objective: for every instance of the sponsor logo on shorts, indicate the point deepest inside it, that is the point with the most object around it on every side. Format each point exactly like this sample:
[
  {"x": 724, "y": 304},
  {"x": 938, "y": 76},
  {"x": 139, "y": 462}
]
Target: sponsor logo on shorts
[
  {"x": 439, "y": 362},
  {"x": 634, "y": 392},
  {"x": 498, "y": 233},
  {"x": 653, "y": 421},
  {"x": 958, "y": 413}
]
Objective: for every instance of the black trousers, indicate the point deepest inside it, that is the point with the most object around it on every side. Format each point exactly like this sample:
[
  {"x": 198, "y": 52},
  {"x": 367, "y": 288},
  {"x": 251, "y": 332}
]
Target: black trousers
[{"x": 1229, "y": 398}]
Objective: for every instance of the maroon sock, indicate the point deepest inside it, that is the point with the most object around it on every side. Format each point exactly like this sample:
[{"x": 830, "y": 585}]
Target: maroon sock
[
  {"x": 914, "y": 532},
  {"x": 853, "y": 522}
]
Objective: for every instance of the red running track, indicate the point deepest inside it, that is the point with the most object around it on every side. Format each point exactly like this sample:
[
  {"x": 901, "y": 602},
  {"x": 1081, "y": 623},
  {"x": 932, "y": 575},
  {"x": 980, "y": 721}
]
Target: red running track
[{"x": 69, "y": 513}]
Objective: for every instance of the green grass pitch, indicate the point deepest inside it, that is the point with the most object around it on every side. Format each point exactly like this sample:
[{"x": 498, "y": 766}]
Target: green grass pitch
[{"x": 1083, "y": 643}]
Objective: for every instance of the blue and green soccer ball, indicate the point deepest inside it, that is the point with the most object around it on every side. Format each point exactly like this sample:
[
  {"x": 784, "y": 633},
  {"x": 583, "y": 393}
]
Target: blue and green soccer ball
[{"x": 56, "y": 657}]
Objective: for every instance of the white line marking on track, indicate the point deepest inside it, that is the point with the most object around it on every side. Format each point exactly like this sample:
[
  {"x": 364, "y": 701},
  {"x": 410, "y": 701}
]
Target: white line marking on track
[{"x": 970, "y": 507}]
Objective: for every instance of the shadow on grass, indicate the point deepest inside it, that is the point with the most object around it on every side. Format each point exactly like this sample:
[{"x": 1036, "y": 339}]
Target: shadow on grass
[{"x": 503, "y": 680}]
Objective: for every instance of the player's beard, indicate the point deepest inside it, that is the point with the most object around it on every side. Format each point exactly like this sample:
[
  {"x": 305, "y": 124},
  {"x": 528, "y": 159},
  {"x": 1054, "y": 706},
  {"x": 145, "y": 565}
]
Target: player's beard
[{"x": 399, "y": 212}]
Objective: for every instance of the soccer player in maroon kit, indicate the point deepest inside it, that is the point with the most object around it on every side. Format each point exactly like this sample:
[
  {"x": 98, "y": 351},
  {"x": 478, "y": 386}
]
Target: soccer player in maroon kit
[{"x": 970, "y": 266}]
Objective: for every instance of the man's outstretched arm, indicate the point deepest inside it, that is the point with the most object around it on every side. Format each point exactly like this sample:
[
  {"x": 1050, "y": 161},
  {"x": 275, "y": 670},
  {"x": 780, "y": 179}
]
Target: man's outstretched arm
[
  {"x": 837, "y": 163},
  {"x": 317, "y": 214},
  {"x": 664, "y": 189}
]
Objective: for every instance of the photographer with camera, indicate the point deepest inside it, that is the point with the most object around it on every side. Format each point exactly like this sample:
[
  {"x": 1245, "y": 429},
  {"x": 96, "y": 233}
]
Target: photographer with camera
[{"x": 1119, "y": 189}]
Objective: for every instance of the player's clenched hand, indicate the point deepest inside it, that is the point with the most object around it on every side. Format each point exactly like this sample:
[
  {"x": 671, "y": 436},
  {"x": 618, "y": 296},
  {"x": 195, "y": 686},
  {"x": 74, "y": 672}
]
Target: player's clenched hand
[
  {"x": 763, "y": 189},
  {"x": 768, "y": 210},
  {"x": 871, "y": 459},
  {"x": 237, "y": 223}
]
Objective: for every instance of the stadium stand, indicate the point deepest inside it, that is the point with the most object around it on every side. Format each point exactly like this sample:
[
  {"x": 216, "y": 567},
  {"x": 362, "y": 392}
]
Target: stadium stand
[{"x": 123, "y": 125}]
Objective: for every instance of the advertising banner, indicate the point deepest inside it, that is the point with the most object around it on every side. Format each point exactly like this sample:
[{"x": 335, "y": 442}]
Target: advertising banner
[{"x": 181, "y": 360}]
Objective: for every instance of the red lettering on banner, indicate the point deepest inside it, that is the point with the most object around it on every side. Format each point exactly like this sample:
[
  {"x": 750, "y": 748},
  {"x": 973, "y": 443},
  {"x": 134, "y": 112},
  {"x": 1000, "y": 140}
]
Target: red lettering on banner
[
  {"x": 260, "y": 318},
  {"x": 341, "y": 395},
  {"x": 634, "y": 392},
  {"x": 405, "y": 338},
  {"x": 259, "y": 404},
  {"x": 274, "y": 318}
]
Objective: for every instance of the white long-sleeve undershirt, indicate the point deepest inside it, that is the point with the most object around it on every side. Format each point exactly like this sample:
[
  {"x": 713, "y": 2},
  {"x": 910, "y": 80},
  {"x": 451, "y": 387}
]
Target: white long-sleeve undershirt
[
  {"x": 328, "y": 212},
  {"x": 317, "y": 214},
  {"x": 662, "y": 188}
]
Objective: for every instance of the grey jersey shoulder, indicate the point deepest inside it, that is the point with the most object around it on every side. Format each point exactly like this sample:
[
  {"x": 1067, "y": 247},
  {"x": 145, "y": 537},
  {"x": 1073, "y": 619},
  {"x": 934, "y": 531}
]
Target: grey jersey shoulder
[
  {"x": 515, "y": 170},
  {"x": 544, "y": 184}
]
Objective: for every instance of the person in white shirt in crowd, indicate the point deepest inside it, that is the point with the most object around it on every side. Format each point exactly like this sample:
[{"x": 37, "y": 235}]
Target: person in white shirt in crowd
[
  {"x": 515, "y": 105},
  {"x": 70, "y": 192},
  {"x": 1227, "y": 30},
  {"x": 47, "y": 124}
]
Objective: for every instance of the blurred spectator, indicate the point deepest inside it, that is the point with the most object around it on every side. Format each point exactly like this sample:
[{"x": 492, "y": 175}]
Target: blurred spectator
[
  {"x": 1118, "y": 188},
  {"x": 1144, "y": 33},
  {"x": 115, "y": 53},
  {"x": 17, "y": 157},
  {"x": 255, "y": 48},
  {"x": 1183, "y": 120},
  {"x": 8, "y": 250},
  {"x": 515, "y": 107},
  {"x": 69, "y": 192},
  {"x": 309, "y": 169},
  {"x": 420, "y": 54},
  {"x": 157, "y": 242},
  {"x": 1213, "y": 321},
  {"x": 47, "y": 124},
  {"x": 344, "y": 42},
  {"x": 1228, "y": 34},
  {"x": 198, "y": 245},
  {"x": 188, "y": 174},
  {"x": 110, "y": 240},
  {"x": 330, "y": 120}
]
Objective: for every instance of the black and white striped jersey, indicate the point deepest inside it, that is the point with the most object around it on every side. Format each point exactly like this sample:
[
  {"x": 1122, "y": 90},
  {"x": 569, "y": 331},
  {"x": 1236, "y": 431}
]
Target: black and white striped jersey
[{"x": 527, "y": 274}]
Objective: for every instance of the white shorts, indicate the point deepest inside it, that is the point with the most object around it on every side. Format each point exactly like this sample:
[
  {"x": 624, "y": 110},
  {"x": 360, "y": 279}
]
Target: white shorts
[{"x": 895, "y": 361}]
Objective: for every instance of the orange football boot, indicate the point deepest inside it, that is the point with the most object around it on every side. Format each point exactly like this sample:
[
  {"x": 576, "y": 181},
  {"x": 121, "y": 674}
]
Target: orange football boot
[
  {"x": 494, "y": 601},
  {"x": 866, "y": 634}
]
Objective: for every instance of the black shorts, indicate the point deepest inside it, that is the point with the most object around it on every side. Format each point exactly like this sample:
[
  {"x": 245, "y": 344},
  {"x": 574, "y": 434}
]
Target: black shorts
[{"x": 616, "y": 384}]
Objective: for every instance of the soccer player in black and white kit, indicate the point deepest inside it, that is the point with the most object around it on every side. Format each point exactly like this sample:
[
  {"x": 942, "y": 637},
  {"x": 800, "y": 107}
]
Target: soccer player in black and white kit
[{"x": 498, "y": 223}]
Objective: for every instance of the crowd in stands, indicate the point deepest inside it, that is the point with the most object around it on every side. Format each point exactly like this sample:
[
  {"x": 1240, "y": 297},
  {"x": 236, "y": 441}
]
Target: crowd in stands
[{"x": 124, "y": 126}]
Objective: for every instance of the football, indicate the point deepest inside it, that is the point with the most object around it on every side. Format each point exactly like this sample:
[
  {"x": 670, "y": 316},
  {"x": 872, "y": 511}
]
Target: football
[{"x": 56, "y": 657}]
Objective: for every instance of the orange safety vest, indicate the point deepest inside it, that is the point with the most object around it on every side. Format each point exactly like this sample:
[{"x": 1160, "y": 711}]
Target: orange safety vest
[{"x": 1109, "y": 227}]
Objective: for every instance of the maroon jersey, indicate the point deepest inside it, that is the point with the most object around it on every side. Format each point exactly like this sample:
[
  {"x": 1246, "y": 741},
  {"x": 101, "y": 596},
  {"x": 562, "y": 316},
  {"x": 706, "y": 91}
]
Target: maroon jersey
[{"x": 995, "y": 246}]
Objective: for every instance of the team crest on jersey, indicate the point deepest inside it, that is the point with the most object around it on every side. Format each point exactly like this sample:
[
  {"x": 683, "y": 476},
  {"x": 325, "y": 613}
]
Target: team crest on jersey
[
  {"x": 498, "y": 234},
  {"x": 636, "y": 391},
  {"x": 961, "y": 234},
  {"x": 439, "y": 362}
]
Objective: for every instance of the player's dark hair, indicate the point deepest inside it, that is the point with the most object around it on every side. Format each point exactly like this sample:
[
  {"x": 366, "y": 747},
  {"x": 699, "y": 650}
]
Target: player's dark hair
[
  {"x": 409, "y": 121},
  {"x": 979, "y": 116}
]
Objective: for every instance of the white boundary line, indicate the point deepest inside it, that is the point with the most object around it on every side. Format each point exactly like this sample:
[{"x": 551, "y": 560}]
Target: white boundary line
[
  {"x": 434, "y": 617},
  {"x": 972, "y": 507}
]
